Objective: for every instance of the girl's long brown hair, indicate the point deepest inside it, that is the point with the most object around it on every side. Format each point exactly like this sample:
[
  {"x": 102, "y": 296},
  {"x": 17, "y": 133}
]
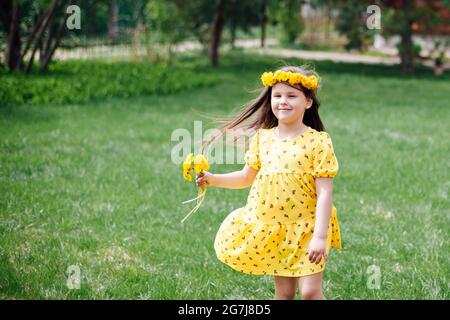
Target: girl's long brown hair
[{"x": 261, "y": 107}]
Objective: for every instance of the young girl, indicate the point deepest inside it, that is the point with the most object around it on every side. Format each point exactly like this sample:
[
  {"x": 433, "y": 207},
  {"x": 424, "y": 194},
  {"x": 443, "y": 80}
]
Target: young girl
[{"x": 289, "y": 222}]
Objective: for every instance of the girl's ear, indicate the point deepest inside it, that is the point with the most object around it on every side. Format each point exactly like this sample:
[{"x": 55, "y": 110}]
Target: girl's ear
[{"x": 309, "y": 103}]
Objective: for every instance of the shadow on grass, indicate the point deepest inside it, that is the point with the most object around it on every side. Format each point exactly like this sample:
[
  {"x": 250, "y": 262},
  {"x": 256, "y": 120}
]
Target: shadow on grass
[{"x": 22, "y": 113}]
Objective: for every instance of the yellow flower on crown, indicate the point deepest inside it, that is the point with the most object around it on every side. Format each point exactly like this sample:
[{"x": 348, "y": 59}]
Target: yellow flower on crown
[
  {"x": 307, "y": 83},
  {"x": 268, "y": 79},
  {"x": 314, "y": 81},
  {"x": 281, "y": 75},
  {"x": 295, "y": 78}
]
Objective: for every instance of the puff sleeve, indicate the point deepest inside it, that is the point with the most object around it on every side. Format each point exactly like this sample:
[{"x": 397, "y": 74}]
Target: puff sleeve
[
  {"x": 325, "y": 164},
  {"x": 252, "y": 155}
]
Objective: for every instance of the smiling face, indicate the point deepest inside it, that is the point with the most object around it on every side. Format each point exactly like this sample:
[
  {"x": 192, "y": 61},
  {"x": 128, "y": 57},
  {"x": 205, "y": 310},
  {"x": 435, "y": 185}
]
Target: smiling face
[{"x": 289, "y": 104}]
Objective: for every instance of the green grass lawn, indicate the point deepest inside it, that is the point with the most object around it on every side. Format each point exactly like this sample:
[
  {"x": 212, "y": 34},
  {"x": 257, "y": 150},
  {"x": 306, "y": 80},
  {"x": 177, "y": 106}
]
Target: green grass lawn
[{"x": 93, "y": 185}]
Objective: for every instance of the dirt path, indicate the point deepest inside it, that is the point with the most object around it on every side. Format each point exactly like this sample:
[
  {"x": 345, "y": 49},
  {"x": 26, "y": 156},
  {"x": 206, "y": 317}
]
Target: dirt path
[
  {"x": 332, "y": 56},
  {"x": 249, "y": 45}
]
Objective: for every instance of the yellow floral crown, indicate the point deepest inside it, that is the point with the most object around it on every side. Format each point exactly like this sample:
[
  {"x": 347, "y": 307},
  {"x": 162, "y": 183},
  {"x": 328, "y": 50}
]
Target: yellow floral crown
[{"x": 269, "y": 79}]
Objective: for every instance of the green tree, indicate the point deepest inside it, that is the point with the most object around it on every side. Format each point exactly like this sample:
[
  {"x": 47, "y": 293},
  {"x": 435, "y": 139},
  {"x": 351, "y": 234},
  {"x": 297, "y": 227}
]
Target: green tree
[
  {"x": 243, "y": 15},
  {"x": 287, "y": 14},
  {"x": 172, "y": 21},
  {"x": 351, "y": 22},
  {"x": 399, "y": 17},
  {"x": 203, "y": 20},
  {"x": 29, "y": 27},
  {"x": 166, "y": 24}
]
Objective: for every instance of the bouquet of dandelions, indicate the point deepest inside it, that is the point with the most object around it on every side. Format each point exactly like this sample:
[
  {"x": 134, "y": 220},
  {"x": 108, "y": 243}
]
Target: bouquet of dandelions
[{"x": 197, "y": 164}]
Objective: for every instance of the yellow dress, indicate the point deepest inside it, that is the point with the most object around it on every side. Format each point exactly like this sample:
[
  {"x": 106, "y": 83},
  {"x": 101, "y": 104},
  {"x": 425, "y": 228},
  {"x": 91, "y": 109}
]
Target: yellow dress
[{"x": 271, "y": 233}]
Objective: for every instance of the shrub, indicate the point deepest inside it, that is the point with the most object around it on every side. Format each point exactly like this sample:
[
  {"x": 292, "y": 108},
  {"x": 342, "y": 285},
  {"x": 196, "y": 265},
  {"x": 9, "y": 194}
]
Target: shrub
[{"x": 81, "y": 81}]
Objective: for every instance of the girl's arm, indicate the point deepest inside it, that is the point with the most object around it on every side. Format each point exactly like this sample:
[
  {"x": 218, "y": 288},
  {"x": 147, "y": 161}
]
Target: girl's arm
[
  {"x": 233, "y": 180},
  {"x": 318, "y": 245}
]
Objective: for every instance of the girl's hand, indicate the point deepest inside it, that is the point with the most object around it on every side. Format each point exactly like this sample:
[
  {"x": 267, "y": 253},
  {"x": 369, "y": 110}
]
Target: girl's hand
[
  {"x": 204, "y": 179},
  {"x": 317, "y": 250}
]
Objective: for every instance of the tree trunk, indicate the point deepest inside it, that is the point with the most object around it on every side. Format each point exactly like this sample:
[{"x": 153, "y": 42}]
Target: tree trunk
[
  {"x": 407, "y": 56},
  {"x": 113, "y": 27},
  {"x": 91, "y": 16},
  {"x": 45, "y": 36},
  {"x": 54, "y": 41},
  {"x": 327, "y": 21},
  {"x": 9, "y": 14},
  {"x": 47, "y": 20},
  {"x": 216, "y": 34},
  {"x": 37, "y": 26},
  {"x": 41, "y": 52},
  {"x": 233, "y": 35},
  {"x": 232, "y": 12},
  {"x": 263, "y": 23}
]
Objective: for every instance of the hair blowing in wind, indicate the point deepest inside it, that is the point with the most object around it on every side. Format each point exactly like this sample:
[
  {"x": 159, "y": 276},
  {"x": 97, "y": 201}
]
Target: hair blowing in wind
[{"x": 257, "y": 114}]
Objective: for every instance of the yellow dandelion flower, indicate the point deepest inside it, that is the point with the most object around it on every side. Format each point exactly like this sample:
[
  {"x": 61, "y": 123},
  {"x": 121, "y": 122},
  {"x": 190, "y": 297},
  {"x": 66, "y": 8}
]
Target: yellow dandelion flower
[
  {"x": 295, "y": 78},
  {"x": 277, "y": 75},
  {"x": 187, "y": 176},
  {"x": 267, "y": 79},
  {"x": 200, "y": 164},
  {"x": 284, "y": 76},
  {"x": 314, "y": 81},
  {"x": 187, "y": 167},
  {"x": 307, "y": 83}
]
